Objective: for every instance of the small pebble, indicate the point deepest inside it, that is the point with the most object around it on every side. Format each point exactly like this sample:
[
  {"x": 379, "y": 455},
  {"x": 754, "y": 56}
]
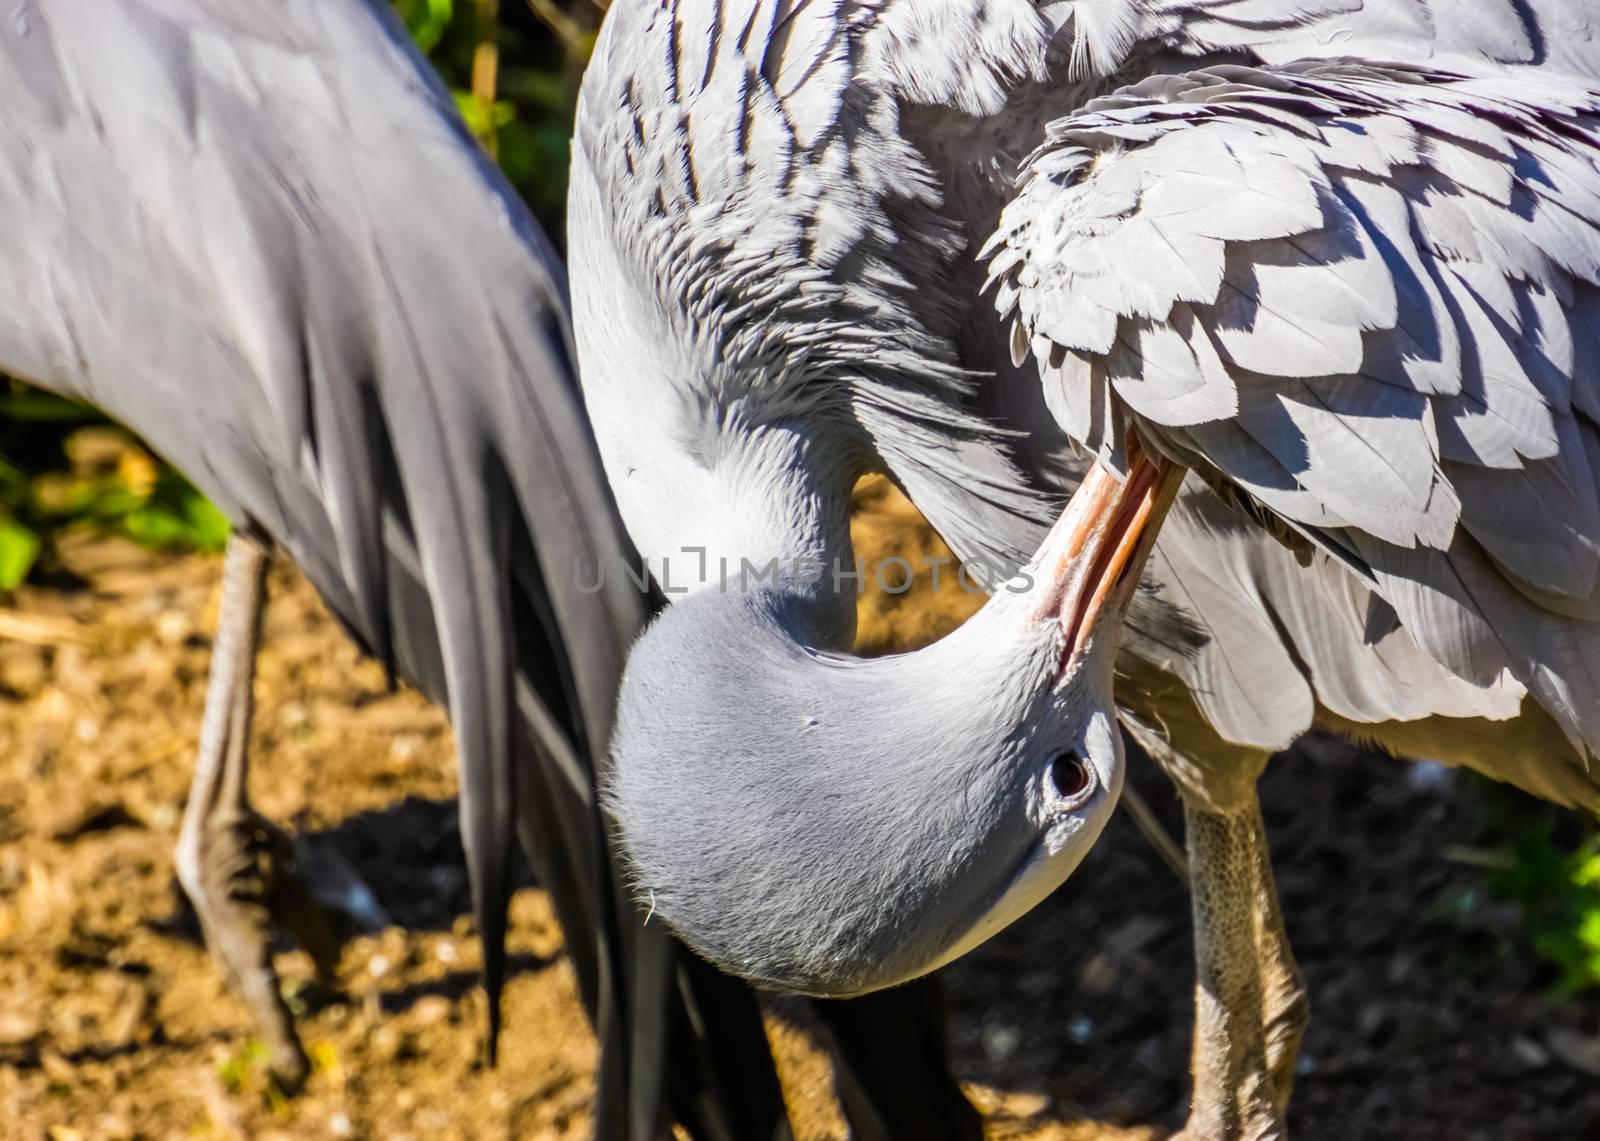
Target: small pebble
[
  {"x": 1000, "y": 1042},
  {"x": 433, "y": 1008},
  {"x": 16, "y": 1027},
  {"x": 1530, "y": 1053},
  {"x": 1027, "y": 1104},
  {"x": 1430, "y": 776},
  {"x": 173, "y": 627},
  {"x": 405, "y": 749}
]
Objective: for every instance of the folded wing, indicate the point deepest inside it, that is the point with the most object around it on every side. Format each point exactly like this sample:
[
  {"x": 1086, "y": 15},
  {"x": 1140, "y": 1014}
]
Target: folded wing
[{"x": 1363, "y": 298}]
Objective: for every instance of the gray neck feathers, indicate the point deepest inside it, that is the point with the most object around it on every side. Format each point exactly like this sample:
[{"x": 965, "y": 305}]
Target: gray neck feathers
[
  {"x": 757, "y": 181},
  {"x": 818, "y": 782}
]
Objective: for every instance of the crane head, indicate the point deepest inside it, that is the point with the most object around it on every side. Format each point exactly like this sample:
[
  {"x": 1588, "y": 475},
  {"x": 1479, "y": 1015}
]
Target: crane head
[{"x": 830, "y": 825}]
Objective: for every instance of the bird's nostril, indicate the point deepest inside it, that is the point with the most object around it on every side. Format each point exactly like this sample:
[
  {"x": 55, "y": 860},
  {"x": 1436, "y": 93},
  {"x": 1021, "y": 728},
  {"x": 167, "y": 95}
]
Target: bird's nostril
[{"x": 1069, "y": 775}]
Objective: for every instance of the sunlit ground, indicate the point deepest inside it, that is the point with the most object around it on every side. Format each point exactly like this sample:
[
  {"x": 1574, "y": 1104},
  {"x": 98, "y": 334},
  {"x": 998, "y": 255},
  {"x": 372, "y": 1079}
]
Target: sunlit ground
[{"x": 1432, "y": 1017}]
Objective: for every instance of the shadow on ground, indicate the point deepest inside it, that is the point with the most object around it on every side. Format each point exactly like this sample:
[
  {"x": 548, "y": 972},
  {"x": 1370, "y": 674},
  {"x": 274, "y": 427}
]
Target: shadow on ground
[{"x": 1430, "y": 1016}]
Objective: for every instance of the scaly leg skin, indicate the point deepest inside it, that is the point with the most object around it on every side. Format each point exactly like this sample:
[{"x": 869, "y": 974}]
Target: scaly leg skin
[
  {"x": 236, "y": 866},
  {"x": 1286, "y": 1008},
  {"x": 1234, "y": 1096}
]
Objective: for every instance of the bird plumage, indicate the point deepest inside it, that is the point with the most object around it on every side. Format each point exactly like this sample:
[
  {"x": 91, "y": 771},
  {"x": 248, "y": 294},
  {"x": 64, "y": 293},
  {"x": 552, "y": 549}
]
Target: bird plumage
[
  {"x": 853, "y": 124},
  {"x": 211, "y": 204},
  {"x": 873, "y": 861},
  {"x": 261, "y": 236},
  {"x": 1336, "y": 254},
  {"x": 1375, "y": 340}
]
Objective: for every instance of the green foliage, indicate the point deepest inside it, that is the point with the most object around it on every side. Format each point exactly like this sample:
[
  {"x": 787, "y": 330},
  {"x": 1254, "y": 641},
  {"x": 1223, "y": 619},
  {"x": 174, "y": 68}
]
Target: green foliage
[
  {"x": 1556, "y": 886},
  {"x": 426, "y": 20},
  {"x": 540, "y": 48},
  {"x": 248, "y": 1071},
  {"x": 19, "y": 548},
  {"x": 1546, "y": 863},
  {"x": 26, "y": 417},
  {"x": 168, "y": 511},
  {"x": 62, "y": 466},
  {"x": 239, "y": 1069}
]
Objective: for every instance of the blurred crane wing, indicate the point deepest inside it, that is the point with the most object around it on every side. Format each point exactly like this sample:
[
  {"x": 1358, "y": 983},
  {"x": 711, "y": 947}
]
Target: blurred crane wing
[{"x": 260, "y": 236}]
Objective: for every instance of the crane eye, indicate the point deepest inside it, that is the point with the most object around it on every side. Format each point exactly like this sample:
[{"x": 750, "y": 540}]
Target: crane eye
[{"x": 1069, "y": 774}]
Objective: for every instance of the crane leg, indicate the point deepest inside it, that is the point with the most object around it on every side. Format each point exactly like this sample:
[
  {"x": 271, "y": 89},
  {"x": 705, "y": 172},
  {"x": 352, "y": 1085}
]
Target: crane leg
[
  {"x": 237, "y": 866},
  {"x": 1235, "y": 1096},
  {"x": 1286, "y": 1007}
]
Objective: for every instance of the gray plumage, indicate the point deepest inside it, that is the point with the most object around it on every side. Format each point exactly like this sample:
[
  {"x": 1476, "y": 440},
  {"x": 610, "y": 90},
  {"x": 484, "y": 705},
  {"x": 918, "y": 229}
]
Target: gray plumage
[
  {"x": 260, "y": 235},
  {"x": 1336, "y": 254},
  {"x": 210, "y": 200},
  {"x": 957, "y": 797},
  {"x": 1381, "y": 346}
]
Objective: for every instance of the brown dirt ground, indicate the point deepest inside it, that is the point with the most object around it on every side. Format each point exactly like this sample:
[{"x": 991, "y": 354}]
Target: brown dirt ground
[{"x": 1429, "y": 1022}]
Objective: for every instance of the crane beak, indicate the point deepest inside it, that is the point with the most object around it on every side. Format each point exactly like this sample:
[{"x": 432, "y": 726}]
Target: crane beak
[{"x": 1093, "y": 555}]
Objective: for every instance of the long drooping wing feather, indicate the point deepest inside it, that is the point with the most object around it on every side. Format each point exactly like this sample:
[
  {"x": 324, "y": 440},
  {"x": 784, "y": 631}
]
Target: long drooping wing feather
[
  {"x": 1357, "y": 293},
  {"x": 259, "y": 235}
]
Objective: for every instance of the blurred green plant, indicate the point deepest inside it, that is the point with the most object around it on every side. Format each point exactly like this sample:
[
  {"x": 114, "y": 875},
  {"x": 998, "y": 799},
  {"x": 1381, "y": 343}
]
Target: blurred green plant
[
  {"x": 248, "y": 1070},
  {"x": 514, "y": 71},
  {"x": 426, "y": 20},
  {"x": 1544, "y": 862},
  {"x": 1556, "y": 887},
  {"x": 514, "y": 68},
  {"x": 62, "y": 466}
]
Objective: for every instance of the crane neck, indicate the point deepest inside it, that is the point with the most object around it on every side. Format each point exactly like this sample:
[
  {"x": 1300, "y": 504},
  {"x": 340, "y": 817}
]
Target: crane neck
[{"x": 763, "y": 511}]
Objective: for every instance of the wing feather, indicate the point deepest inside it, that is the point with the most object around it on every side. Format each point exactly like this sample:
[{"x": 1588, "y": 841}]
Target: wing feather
[
  {"x": 260, "y": 236},
  {"x": 1163, "y": 370},
  {"x": 1399, "y": 354}
]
